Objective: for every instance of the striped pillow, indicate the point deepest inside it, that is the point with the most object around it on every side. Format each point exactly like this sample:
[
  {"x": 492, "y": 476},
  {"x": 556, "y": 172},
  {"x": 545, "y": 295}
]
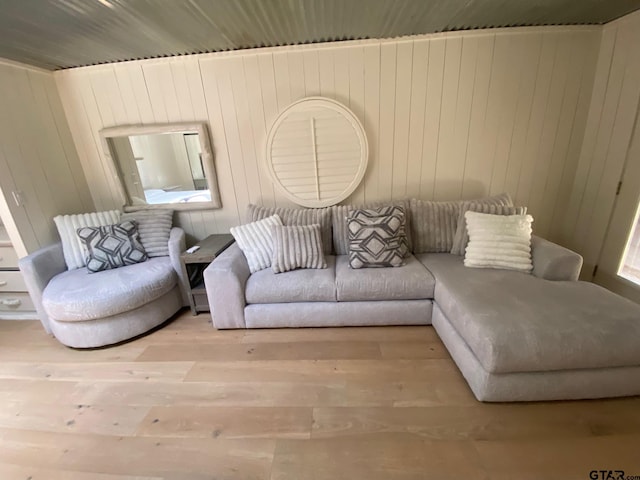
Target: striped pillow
[
  {"x": 73, "y": 249},
  {"x": 154, "y": 227},
  {"x": 256, "y": 242},
  {"x": 298, "y": 216},
  {"x": 297, "y": 247}
]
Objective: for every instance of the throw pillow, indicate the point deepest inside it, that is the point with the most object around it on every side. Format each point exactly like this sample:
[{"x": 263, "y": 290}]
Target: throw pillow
[
  {"x": 339, "y": 214},
  {"x": 256, "y": 241},
  {"x": 434, "y": 224},
  {"x": 375, "y": 241},
  {"x": 297, "y": 247},
  {"x": 499, "y": 241},
  {"x": 73, "y": 249},
  {"x": 112, "y": 246},
  {"x": 461, "y": 238},
  {"x": 154, "y": 227},
  {"x": 297, "y": 216}
]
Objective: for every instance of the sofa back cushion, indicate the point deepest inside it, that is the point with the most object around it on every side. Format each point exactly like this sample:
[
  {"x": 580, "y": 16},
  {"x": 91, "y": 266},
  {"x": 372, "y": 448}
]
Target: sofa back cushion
[
  {"x": 297, "y": 216},
  {"x": 434, "y": 224},
  {"x": 341, "y": 212}
]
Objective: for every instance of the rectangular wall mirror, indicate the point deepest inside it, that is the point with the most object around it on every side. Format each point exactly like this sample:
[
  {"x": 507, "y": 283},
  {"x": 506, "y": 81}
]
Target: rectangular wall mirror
[{"x": 163, "y": 166}]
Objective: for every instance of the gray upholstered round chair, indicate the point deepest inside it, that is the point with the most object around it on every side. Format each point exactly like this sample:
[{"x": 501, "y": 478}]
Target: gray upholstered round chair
[{"x": 85, "y": 310}]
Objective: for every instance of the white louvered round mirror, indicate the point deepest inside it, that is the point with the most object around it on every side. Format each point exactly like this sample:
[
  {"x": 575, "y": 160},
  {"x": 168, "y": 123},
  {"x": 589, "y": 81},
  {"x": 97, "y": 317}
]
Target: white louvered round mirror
[{"x": 317, "y": 152}]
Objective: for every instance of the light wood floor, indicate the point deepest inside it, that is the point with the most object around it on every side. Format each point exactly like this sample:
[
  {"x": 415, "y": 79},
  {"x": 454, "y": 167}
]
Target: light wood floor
[{"x": 189, "y": 403}]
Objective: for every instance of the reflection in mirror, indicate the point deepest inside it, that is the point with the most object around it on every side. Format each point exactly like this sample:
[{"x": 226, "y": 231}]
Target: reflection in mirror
[{"x": 160, "y": 165}]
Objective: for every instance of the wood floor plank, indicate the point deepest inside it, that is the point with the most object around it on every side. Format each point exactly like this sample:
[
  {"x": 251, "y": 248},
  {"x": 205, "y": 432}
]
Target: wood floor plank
[
  {"x": 37, "y": 391},
  {"x": 78, "y": 418},
  {"x": 388, "y": 370},
  {"x": 413, "y": 349},
  {"x": 261, "y": 351},
  {"x": 98, "y": 371},
  {"x": 273, "y": 394},
  {"x": 343, "y": 334},
  {"x": 228, "y": 422},
  {"x": 396, "y": 457},
  {"x": 557, "y": 459},
  {"x": 20, "y": 472},
  {"x": 140, "y": 456},
  {"x": 480, "y": 421}
]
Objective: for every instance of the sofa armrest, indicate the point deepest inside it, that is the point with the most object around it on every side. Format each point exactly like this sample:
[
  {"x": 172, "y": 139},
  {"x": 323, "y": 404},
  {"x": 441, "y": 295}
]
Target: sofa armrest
[
  {"x": 225, "y": 279},
  {"x": 553, "y": 262},
  {"x": 177, "y": 245},
  {"x": 38, "y": 268}
]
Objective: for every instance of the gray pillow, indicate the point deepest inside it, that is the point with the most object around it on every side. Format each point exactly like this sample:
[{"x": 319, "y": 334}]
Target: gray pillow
[
  {"x": 112, "y": 246},
  {"x": 297, "y": 216},
  {"x": 297, "y": 246},
  {"x": 461, "y": 238},
  {"x": 375, "y": 241},
  {"x": 154, "y": 227},
  {"x": 339, "y": 214}
]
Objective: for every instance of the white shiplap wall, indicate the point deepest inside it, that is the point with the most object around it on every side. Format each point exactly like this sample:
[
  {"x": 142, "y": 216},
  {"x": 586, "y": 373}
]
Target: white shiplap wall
[
  {"x": 448, "y": 116},
  {"x": 38, "y": 160},
  {"x": 609, "y": 129}
]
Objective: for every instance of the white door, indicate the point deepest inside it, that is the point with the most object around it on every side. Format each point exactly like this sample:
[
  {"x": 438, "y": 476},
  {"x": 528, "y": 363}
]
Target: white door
[{"x": 619, "y": 264}]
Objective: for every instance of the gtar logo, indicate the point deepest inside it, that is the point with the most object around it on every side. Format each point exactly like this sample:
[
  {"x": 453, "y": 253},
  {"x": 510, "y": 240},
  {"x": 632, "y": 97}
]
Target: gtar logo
[{"x": 606, "y": 475}]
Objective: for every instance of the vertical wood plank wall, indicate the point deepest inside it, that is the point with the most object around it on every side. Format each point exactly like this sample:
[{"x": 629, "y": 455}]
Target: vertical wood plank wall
[
  {"x": 38, "y": 159},
  {"x": 612, "y": 116},
  {"x": 448, "y": 116}
]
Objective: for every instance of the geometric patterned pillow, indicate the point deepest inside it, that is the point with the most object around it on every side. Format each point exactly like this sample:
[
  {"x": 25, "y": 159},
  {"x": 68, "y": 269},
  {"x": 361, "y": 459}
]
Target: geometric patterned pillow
[
  {"x": 375, "y": 241},
  {"x": 385, "y": 212},
  {"x": 112, "y": 246}
]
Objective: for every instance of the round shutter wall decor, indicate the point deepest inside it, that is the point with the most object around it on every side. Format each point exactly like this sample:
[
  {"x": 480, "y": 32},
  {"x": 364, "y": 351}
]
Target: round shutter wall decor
[{"x": 317, "y": 152}]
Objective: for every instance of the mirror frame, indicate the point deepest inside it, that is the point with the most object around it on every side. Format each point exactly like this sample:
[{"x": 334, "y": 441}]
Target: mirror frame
[{"x": 207, "y": 162}]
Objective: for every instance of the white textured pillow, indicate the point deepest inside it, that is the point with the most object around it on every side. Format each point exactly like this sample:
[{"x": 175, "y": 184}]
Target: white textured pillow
[
  {"x": 75, "y": 252},
  {"x": 256, "y": 241},
  {"x": 499, "y": 241}
]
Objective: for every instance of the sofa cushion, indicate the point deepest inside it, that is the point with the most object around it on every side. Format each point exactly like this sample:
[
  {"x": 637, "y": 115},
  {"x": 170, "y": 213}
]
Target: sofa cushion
[
  {"x": 409, "y": 282},
  {"x": 76, "y": 295},
  {"x": 515, "y": 322},
  {"x": 306, "y": 285}
]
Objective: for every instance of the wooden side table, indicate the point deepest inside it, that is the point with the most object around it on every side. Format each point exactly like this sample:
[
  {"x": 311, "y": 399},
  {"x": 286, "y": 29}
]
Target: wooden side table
[{"x": 193, "y": 264}]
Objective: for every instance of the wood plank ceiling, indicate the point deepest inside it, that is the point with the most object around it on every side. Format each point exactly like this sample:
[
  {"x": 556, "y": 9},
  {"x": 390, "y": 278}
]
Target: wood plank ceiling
[{"x": 57, "y": 34}]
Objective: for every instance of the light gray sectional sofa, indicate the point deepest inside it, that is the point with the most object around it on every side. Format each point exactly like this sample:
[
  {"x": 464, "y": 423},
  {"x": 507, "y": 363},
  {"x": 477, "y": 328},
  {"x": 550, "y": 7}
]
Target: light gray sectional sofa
[{"x": 514, "y": 336}]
